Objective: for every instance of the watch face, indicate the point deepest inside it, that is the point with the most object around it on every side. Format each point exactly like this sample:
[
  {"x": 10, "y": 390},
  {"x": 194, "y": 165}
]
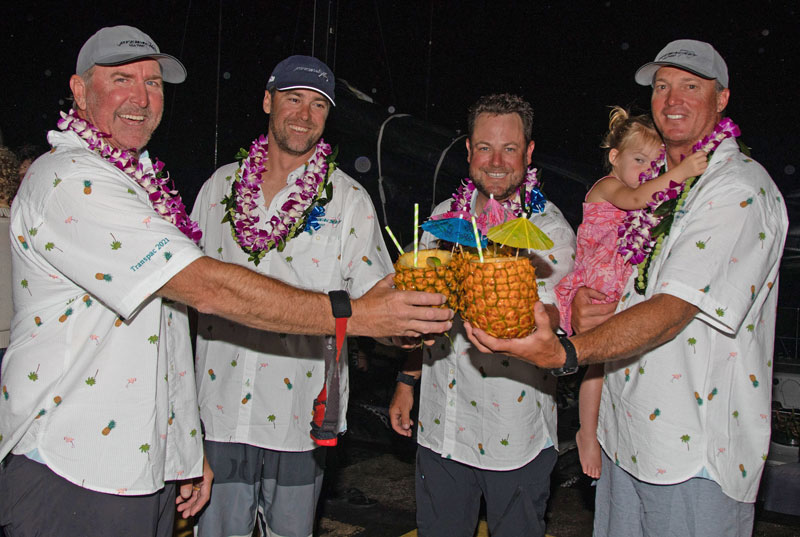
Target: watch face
[{"x": 564, "y": 371}]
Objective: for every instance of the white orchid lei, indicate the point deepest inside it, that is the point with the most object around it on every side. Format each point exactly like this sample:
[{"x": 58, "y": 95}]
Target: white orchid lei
[
  {"x": 534, "y": 199},
  {"x": 643, "y": 231},
  {"x": 311, "y": 192},
  {"x": 166, "y": 202}
]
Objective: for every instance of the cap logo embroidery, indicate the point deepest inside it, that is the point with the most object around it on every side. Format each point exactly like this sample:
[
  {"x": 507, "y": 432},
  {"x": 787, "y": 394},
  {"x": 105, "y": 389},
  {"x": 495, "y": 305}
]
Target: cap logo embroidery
[
  {"x": 681, "y": 52},
  {"x": 320, "y": 72},
  {"x": 134, "y": 43}
]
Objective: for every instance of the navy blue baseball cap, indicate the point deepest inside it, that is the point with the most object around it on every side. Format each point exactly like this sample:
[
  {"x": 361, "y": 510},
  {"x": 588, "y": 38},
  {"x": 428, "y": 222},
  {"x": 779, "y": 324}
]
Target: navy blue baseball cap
[{"x": 303, "y": 72}]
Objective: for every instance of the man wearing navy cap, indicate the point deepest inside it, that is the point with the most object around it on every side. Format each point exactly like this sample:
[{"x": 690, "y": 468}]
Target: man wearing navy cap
[
  {"x": 98, "y": 414},
  {"x": 684, "y": 418},
  {"x": 288, "y": 213}
]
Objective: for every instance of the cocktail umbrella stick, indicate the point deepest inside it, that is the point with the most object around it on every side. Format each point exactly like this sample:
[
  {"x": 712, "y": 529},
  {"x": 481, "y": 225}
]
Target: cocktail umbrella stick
[
  {"x": 394, "y": 239},
  {"x": 477, "y": 238},
  {"x": 416, "y": 233}
]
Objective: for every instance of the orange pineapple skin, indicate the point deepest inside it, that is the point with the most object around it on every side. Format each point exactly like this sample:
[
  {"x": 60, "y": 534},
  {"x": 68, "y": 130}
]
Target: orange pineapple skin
[
  {"x": 498, "y": 296},
  {"x": 425, "y": 278}
]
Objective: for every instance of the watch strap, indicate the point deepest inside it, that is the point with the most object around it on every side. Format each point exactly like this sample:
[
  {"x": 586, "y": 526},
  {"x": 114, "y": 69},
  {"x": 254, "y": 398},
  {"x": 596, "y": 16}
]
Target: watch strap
[
  {"x": 405, "y": 378},
  {"x": 340, "y": 304},
  {"x": 571, "y": 363}
]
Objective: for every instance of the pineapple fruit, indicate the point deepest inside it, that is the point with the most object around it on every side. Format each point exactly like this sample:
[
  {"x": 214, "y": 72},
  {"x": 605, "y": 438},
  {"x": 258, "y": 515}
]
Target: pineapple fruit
[
  {"x": 498, "y": 295},
  {"x": 432, "y": 274}
]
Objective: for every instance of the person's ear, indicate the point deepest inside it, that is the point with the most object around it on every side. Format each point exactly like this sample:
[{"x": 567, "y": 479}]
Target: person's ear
[
  {"x": 78, "y": 87},
  {"x": 267, "y": 102}
]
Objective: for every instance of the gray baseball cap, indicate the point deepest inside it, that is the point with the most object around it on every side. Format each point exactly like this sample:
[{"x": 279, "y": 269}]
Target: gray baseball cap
[
  {"x": 694, "y": 56},
  {"x": 116, "y": 45},
  {"x": 303, "y": 72}
]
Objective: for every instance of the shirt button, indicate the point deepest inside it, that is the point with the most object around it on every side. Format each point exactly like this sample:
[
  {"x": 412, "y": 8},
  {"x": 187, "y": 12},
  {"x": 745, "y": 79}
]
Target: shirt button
[{"x": 452, "y": 371}]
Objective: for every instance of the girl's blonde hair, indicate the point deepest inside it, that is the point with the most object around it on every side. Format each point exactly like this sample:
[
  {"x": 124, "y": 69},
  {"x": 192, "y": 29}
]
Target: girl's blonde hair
[{"x": 624, "y": 129}]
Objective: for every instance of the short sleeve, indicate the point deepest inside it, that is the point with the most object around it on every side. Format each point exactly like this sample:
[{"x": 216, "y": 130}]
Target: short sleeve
[{"x": 99, "y": 231}]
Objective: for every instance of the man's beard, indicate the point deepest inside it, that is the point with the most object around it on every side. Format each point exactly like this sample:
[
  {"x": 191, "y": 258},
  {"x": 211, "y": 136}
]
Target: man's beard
[
  {"x": 280, "y": 138},
  {"x": 500, "y": 196}
]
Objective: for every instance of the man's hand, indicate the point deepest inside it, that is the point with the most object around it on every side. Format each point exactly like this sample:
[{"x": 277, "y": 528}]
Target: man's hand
[
  {"x": 587, "y": 312},
  {"x": 400, "y": 409},
  {"x": 384, "y": 312},
  {"x": 195, "y": 493},
  {"x": 540, "y": 347}
]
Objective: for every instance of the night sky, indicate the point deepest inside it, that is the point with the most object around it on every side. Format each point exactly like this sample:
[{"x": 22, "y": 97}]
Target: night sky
[{"x": 431, "y": 59}]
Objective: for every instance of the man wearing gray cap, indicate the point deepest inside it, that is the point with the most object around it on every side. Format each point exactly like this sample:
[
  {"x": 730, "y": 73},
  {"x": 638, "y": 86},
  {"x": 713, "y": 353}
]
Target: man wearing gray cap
[
  {"x": 684, "y": 418},
  {"x": 98, "y": 413},
  {"x": 289, "y": 213}
]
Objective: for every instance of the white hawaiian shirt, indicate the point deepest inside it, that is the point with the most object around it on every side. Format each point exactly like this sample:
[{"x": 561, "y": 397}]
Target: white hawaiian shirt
[
  {"x": 487, "y": 410},
  {"x": 258, "y": 387},
  {"x": 98, "y": 381},
  {"x": 699, "y": 405}
]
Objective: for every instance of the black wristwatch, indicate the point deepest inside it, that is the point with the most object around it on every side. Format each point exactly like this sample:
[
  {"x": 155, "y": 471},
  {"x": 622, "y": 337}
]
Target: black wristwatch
[
  {"x": 571, "y": 363},
  {"x": 340, "y": 304},
  {"x": 410, "y": 380}
]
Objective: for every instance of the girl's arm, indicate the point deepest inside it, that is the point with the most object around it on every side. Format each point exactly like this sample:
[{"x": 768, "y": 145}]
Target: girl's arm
[{"x": 622, "y": 196}]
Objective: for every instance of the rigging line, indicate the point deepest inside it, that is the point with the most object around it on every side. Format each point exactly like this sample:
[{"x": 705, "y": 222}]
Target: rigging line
[
  {"x": 381, "y": 191},
  {"x": 180, "y": 55},
  {"x": 314, "y": 31},
  {"x": 385, "y": 53},
  {"x": 428, "y": 66},
  {"x": 332, "y": 63},
  {"x": 216, "y": 106},
  {"x": 438, "y": 166}
]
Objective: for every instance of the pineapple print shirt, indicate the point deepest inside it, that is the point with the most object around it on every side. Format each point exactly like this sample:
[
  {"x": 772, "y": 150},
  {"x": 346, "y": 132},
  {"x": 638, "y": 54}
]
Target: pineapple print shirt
[
  {"x": 257, "y": 387},
  {"x": 700, "y": 404},
  {"x": 487, "y": 410},
  {"x": 98, "y": 381}
]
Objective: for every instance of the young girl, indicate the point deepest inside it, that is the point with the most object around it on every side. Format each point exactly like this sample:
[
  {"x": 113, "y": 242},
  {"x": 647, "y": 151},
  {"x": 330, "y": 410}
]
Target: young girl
[{"x": 632, "y": 143}]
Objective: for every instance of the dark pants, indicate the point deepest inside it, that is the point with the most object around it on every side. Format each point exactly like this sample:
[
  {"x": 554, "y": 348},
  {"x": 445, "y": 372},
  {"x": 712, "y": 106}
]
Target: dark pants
[
  {"x": 36, "y": 501},
  {"x": 449, "y": 496}
]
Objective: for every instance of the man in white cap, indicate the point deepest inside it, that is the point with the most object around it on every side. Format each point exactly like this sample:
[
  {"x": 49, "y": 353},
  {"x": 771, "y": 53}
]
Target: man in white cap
[
  {"x": 684, "y": 419},
  {"x": 98, "y": 413},
  {"x": 257, "y": 388}
]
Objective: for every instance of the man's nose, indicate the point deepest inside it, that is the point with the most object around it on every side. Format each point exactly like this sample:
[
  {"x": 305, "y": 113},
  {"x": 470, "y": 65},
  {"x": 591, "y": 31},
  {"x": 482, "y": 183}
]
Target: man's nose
[{"x": 139, "y": 95}]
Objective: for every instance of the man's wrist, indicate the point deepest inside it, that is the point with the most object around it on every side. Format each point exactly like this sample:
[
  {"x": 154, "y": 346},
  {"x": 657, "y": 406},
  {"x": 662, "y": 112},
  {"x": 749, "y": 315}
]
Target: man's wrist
[{"x": 571, "y": 358}]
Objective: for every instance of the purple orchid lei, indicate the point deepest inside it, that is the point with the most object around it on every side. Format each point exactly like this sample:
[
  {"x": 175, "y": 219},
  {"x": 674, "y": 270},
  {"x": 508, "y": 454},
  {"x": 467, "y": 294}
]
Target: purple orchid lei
[
  {"x": 305, "y": 198},
  {"x": 642, "y": 231},
  {"x": 166, "y": 202},
  {"x": 462, "y": 199}
]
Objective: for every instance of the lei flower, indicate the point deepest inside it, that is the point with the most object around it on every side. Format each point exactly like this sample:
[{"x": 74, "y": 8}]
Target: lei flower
[
  {"x": 643, "y": 231},
  {"x": 534, "y": 199},
  {"x": 300, "y": 211},
  {"x": 166, "y": 202}
]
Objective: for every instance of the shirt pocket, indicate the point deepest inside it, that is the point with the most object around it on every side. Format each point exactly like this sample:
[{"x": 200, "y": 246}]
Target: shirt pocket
[{"x": 311, "y": 261}]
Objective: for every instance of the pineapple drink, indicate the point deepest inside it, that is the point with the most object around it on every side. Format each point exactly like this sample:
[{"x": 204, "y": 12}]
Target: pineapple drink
[
  {"x": 498, "y": 295},
  {"x": 433, "y": 273}
]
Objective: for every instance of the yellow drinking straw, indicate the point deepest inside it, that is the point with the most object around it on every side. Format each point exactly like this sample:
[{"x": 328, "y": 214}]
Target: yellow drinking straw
[
  {"x": 416, "y": 233},
  {"x": 391, "y": 236},
  {"x": 477, "y": 238}
]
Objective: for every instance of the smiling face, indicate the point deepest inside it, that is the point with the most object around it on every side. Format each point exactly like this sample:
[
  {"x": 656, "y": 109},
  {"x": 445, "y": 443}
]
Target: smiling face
[
  {"x": 685, "y": 108},
  {"x": 498, "y": 155},
  {"x": 632, "y": 160},
  {"x": 296, "y": 119},
  {"x": 125, "y": 101}
]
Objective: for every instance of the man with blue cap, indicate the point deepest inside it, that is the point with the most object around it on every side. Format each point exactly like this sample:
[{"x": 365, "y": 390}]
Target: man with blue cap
[
  {"x": 98, "y": 413},
  {"x": 289, "y": 213}
]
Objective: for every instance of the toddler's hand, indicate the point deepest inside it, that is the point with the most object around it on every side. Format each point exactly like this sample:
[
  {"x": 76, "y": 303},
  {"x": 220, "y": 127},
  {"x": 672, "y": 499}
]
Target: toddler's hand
[{"x": 694, "y": 165}]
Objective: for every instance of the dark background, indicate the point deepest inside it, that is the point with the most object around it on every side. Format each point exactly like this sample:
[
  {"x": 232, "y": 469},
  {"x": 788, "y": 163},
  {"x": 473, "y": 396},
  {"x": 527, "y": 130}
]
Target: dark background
[{"x": 430, "y": 59}]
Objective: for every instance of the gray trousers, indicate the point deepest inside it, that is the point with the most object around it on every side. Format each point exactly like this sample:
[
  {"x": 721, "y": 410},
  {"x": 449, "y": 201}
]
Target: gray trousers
[
  {"x": 627, "y": 507},
  {"x": 449, "y": 496},
  {"x": 36, "y": 501}
]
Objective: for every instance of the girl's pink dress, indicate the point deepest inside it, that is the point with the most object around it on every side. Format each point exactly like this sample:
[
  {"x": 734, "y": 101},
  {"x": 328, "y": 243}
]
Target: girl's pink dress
[{"x": 597, "y": 263}]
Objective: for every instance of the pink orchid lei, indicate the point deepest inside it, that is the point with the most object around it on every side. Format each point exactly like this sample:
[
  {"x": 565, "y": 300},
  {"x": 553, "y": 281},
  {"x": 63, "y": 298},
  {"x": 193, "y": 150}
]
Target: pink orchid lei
[
  {"x": 642, "y": 231},
  {"x": 242, "y": 203},
  {"x": 534, "y": 199},
  {"x": 166, "y": 202}
]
